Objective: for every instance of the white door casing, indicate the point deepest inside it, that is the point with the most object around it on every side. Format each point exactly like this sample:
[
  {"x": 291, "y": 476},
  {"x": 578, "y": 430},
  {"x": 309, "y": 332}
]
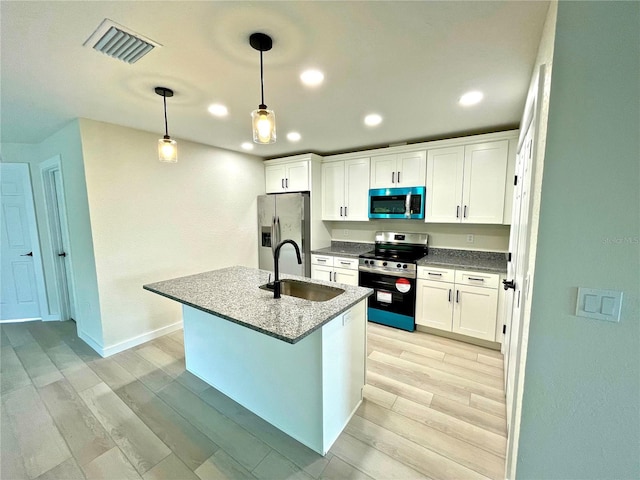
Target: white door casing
[{"x": 23, "y": 289}]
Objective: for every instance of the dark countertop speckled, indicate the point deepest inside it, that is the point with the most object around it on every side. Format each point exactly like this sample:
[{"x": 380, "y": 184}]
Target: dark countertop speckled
[
  {"x": 232, "y": 293},
  {"x": 493, "y": 262},
  {"x": 345, "y": 249}
]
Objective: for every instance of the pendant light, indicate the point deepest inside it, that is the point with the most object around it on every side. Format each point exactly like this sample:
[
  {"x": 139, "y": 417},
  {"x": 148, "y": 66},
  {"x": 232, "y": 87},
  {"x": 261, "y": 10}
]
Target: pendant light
[
  {"x": 262, "y": 119},
  {"x": 167, "y": 148}
]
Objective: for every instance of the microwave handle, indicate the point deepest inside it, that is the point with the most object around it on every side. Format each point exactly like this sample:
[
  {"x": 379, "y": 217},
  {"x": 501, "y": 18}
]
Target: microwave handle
[{"x": 407, "y": 204}]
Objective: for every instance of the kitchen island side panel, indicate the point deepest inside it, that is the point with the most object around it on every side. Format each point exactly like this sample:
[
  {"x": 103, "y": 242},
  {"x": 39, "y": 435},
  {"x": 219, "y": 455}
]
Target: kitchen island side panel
[{"x": 278, "y": 381}]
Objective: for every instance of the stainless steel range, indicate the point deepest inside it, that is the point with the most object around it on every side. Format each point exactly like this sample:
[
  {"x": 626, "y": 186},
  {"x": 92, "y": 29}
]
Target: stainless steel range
[{"x": 391, "y": 271}]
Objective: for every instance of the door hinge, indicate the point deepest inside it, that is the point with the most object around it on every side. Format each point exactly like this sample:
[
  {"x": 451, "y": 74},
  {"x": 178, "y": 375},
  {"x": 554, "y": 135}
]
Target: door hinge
[
  {"x": 504, "y": 329},
  {"x": 515, "y": 179}
]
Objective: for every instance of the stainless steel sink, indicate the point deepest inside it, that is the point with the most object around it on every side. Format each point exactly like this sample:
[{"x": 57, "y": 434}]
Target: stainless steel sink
[{"x": 305, "y": 290}]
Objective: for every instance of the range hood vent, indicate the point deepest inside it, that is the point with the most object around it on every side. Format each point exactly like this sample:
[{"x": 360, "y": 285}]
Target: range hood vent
[{"x": 120, "y": 42}]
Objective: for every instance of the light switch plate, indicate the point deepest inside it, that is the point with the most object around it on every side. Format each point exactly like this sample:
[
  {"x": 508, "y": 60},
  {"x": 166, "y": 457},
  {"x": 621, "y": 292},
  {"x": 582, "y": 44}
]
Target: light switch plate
[{"x": 599, "y": 304}]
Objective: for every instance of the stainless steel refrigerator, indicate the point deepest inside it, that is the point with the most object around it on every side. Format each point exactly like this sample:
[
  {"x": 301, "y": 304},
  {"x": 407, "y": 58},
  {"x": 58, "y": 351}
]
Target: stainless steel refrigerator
[{"x": 283, "y": 216}]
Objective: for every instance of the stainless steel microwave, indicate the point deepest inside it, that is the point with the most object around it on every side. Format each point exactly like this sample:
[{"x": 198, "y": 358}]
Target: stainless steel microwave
[{"x": 405, "y": 202}]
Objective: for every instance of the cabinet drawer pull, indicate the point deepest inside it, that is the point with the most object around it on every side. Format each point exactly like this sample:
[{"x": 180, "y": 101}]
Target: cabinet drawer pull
[
  {"x": 345, "y": 263},
  {"x": 476, "y": 279},
  {"x": 435, "y": 274},
  {"x": 321, "y": 259}
]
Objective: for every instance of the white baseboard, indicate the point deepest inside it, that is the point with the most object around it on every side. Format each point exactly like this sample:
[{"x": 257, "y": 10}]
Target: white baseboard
[
  {"x": 132, "y": 342},
  {"x": 20, "y": 320}
]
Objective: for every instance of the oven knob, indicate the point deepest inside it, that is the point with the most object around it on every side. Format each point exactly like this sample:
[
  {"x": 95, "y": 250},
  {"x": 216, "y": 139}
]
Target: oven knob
[
  {"x": 399, "y": 265},
  {"x": 384, "y": 264},
  {"x": 404, "y": 266}
]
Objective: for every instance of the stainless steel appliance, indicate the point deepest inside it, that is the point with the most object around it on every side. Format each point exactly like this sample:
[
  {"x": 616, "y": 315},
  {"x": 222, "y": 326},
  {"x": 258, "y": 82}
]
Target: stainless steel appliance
[
  {"x": 407, "y": 202},
  {"x": 391, "y": 271},
  {"x": 284, "y": 216}
]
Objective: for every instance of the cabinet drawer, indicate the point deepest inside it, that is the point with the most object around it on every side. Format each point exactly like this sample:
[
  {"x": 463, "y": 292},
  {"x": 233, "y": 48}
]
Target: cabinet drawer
[
  {"x": 322, "y": 260},
  {"x": 345, "y": 262},
  {"x": 488, "y": 280},
  {"x": 437, "y": 274}
]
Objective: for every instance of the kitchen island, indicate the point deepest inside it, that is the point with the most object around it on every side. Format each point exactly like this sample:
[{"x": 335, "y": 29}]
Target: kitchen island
[{"x": 298, "y": 364}]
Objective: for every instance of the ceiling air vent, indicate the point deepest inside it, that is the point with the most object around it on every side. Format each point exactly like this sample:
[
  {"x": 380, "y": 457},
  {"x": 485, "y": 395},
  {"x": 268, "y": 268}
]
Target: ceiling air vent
[{"x": 120, "y": 42}]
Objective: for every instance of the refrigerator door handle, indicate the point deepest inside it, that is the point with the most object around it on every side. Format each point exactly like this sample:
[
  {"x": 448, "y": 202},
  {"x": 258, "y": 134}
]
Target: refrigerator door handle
[
  {"x": 279, "y": 232},
  {"x": 273, "y": 236}
]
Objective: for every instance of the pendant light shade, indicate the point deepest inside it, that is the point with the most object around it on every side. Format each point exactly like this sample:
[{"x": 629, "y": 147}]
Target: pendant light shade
[
  {"x": 263, "y": 120},
  {"x": 167, "y": 148}
]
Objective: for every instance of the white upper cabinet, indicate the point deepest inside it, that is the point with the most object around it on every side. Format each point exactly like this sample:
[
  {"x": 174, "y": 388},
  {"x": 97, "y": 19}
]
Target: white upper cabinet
[
  {"x": 287, "y": 177},
  {"x": 345, "y": 188},
  {"x": 398, "y": 170},
  {"x": 466, "y": 184}
]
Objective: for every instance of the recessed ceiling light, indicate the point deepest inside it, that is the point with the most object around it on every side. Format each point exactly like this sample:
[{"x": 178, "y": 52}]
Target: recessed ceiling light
[
  {"x": 471, "y": 98},
  {"x": 218, "y": 110},
  {"x": 372, "y": 120},
  {"x": 293, "y": 136},
  {"x": 312, "y": 78},
  {"x": 247, "y": 146}
]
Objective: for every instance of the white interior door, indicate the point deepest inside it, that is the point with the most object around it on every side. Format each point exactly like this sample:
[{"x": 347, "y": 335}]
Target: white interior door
[
  {"x": 22, "y": 279},
  {"x": 59, "y": 234},
  {"x": 517, "y": 268}
]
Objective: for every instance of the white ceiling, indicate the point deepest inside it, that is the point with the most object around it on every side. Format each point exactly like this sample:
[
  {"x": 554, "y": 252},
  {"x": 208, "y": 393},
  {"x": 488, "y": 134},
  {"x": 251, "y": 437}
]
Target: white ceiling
[{"x": 408, "y": 61}]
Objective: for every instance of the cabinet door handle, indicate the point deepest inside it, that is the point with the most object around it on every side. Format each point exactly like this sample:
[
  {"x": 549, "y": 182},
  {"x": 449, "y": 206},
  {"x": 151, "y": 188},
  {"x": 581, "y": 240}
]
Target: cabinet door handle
[
  {"x": 282, "y": 182},
  {"x": 335, "y": 276},
  {"x": 330, "y": 275},
  {"x": 341, "y": 211},
  {"x": 398, "y": 177},
  {"x": 457, "y": 211},
  {"x": 435, "y": 274},
  {"x": 393, "y": 177},
  {"x": 286, "y": 182},
  {"x": 457, "y": 296},
  {"x": 449, "y": 295},
  {"x": 476, "y": 279},
  {"x": 345, "y": 211},
  {"x": 465, "y": 211}
]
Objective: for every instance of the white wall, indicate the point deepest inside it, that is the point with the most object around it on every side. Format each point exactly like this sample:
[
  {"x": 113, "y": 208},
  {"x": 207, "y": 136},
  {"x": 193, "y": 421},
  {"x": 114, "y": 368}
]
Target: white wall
[
  {"x": 154, "y": 221},
  {"x": 581, "y": 408},
  {"x": 493, "y": 238}
]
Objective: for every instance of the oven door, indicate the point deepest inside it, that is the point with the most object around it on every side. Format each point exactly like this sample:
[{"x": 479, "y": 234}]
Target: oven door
[{"x": 393, "y": 301}]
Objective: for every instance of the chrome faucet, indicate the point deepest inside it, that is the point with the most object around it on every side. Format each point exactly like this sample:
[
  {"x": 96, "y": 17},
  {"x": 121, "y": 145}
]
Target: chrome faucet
[{"x": 276, "y": 260}]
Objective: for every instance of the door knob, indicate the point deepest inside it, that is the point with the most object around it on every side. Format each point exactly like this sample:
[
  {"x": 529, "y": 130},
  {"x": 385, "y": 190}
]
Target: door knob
[
  {"x": 509, "y": 284},
  {"x": 30, "y": 254}
]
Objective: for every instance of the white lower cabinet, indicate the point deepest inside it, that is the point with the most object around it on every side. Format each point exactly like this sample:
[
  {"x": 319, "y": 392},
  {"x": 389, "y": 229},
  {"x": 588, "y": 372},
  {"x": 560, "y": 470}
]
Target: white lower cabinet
[
  {"x": 334, "y": 269},
  {"x": 458, "y": 301}
]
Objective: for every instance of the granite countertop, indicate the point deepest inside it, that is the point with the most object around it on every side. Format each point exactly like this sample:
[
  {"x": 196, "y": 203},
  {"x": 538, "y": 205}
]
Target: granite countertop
[
  {"x": 345, "y": 249},
  {"x": 232, "y": 293},
  {"x": 493, "y": 262}
]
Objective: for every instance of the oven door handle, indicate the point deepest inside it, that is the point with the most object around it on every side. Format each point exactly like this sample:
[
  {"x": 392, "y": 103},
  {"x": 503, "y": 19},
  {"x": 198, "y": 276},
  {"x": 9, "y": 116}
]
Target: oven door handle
[{"x": 390, "y": 274}]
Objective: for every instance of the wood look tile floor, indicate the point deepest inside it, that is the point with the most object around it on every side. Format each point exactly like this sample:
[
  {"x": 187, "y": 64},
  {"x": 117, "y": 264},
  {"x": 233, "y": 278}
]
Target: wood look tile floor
[{"x": 433, "y": 408}]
